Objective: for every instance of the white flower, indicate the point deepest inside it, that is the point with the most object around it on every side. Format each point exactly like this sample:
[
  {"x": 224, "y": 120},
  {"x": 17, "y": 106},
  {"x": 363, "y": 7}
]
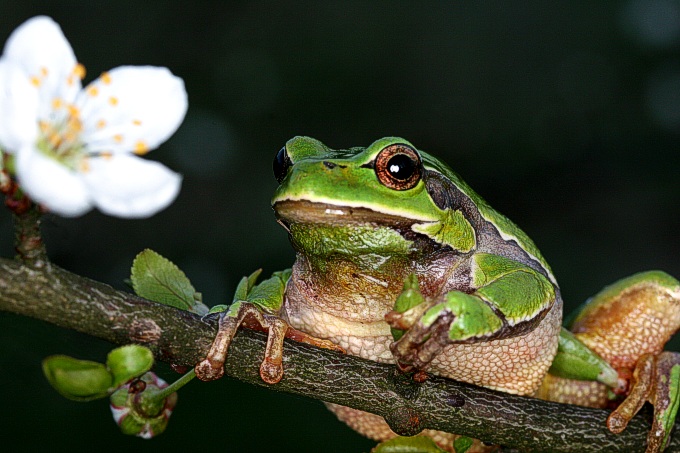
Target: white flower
[{"x": 74, "y": 147}]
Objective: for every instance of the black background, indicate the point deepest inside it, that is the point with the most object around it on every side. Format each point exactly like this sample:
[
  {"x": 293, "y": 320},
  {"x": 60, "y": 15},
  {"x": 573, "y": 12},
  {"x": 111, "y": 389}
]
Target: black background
[{"x": 564, "y": 116}]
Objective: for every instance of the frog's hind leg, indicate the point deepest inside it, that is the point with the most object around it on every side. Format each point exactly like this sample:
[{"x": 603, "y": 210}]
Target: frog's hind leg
[{"x": 628, "y": 324}]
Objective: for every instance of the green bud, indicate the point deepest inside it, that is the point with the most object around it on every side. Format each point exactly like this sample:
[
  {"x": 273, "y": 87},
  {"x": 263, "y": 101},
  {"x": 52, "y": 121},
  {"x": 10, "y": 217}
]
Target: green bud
[
  {"x": 415, "y": 444},
  {"x": 79, "y": 380},
  {"x": 138, "y": 411},
  {"x": 128, "y": 362}
]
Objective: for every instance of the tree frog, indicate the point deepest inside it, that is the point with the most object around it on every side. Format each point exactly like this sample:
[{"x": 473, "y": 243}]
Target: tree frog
[{"x": 400, "y": 261}]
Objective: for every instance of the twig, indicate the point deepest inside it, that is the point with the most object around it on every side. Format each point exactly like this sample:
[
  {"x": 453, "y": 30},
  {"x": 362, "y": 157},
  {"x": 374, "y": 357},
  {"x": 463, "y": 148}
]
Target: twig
[{"x": 179, "y": 337}]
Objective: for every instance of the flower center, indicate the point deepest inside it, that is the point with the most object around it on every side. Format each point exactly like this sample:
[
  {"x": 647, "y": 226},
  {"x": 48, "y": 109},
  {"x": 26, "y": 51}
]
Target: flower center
[
  {"x": 60, "y": 132},
  {"x": 60, "y": 135}
]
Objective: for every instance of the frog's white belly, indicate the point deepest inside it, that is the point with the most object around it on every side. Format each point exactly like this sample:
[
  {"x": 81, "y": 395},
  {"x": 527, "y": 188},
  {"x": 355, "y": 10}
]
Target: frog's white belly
[{"x": 513, "y": 365}]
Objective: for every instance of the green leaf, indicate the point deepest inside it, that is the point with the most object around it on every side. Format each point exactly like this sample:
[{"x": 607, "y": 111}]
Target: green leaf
[
  {"x": 128, "y": 362},
  {"x": 462, "y": 444},
  {"x": 79, "y": 380},
  {"x": 159, "y": 279},
  {"x": 218, "y": 309},
  {"x": 415, "y": 444},
  {"x": 268, "y": 294}
]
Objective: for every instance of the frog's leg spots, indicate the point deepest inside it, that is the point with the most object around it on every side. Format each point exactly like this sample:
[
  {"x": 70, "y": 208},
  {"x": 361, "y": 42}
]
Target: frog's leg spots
[
  {"x": 628, "y": 324},
  {"x": 632, "y": 317}
]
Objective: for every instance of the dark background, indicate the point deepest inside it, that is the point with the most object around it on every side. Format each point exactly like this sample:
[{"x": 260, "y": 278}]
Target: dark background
[{"x": 565, "y": 117}]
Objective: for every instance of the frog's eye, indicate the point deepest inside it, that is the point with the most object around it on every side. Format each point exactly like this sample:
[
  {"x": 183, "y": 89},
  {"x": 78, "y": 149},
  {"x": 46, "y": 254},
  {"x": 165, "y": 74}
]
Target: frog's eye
[
  {"x": 281, "y": 165},
  {"x": 398, "y": 167}
]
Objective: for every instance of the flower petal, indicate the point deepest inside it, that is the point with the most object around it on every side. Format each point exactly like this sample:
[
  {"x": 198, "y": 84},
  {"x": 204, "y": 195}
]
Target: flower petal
[
  {"x": 51, "y": 184},
  {"x": 39, "y": 47},
  {"x": 132, "y": 109},
  {"x": 18, "y": 108},
  {"x": 128, "y": 186}
]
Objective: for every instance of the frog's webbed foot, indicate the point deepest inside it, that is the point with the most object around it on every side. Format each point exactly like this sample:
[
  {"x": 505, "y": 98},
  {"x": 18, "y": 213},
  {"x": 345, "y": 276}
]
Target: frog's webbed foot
[
  {"x": 423, "y": 327},
  {"x": 420, "y": 343},
  {"x": 656, "y": 380}
]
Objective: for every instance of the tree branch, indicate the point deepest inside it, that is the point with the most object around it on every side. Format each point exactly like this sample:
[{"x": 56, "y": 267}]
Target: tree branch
[{"x": 179, "y": 337}]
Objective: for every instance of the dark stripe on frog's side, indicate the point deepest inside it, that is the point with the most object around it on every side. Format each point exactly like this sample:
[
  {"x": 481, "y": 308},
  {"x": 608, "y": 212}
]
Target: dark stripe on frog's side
[{"x": 489, "y": 240}]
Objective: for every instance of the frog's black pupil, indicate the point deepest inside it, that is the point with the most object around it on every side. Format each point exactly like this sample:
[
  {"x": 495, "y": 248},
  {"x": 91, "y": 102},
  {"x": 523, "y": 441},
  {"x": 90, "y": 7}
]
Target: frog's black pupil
[
  {"x": 401, "y": 167},
  {"x": 281, "y": 164}
]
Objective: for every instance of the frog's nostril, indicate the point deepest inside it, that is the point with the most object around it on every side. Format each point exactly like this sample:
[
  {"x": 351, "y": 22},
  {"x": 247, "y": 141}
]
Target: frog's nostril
[{"x": 329, "y": 165}]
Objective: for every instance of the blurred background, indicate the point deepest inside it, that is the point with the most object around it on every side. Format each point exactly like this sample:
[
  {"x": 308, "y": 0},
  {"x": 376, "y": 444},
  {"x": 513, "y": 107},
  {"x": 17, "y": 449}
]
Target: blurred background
[{"x": 564, "y": 116}]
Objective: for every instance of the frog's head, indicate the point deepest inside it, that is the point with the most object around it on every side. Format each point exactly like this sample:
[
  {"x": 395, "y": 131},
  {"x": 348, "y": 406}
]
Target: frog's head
[{"x": 368, "y": 199}]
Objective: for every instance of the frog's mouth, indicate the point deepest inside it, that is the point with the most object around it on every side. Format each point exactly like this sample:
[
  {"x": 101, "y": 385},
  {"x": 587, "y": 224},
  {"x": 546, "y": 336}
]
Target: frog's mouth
[{"x": 316, "y": 213}]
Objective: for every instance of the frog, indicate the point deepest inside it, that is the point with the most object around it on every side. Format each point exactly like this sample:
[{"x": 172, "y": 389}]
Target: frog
[{"x": 399, "y": 261}]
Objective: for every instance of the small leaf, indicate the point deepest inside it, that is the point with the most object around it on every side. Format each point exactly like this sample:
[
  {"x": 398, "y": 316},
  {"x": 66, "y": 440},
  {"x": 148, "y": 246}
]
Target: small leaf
[
  {"x": 415, "y": 444},
  {"x": 79, "y": 380},
  {"x": 218, "y": 309},
  {"x": 252, "y": 279},
  {"x": 268, "y": 294},
  {"x": 241, "y": 290},
  {"x": 128, "y": 362},
  {"x": 245, "y": 285},
  {"x": 159, "y": 279},
  {"x": 462, "y": 444}
]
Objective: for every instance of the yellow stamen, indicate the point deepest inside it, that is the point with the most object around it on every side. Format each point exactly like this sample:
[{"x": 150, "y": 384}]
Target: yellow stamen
[
  {"x": 141, "y": 148},
  {"x": 57, "y": 103},
  {"x": 113, "y": 100},
  {"x": 106, "y": 155},
  {"x": 73, "y": 111},
  {"x": 44, "y": 126},
  {"x": 79, "y": 71},
  {"x": 74, "y": 124},
  {"x": 92, "y": 91},
  {"x": 54, "y": 139},
  {"x": 118, "y": 138},
  {"x": 101, "y": 124},
  {"x": 35, "y": 81},
  {"x": 105, "y": 78},
  {"x": 43, "y": 71},
  {"x": 70, "y": 136},
  {"x": 84, "y": 165},
  {"x": 137, "y": 122}
]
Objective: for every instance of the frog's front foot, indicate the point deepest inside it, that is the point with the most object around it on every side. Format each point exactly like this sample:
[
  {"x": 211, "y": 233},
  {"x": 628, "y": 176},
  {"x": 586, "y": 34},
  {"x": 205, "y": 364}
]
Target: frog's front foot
[
  {"x": 432, "y": 324},
  {"x": 419, "y": 343},
  {"x": 252, "y": 316},
  {"x": 656, "y": 379},
  {"x": 249, "y": 315}
]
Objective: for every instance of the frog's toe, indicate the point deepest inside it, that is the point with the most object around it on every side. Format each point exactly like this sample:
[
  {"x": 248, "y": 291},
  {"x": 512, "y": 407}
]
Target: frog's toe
[
  {"x": 656, "y": 380},
  {"x": 245, "y": 313},
  {"x": 419, "y": 345}
]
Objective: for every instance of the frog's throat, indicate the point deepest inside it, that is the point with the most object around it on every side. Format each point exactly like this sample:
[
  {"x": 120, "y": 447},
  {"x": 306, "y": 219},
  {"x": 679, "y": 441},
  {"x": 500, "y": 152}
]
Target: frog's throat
[{"x": 307, "y": 212}]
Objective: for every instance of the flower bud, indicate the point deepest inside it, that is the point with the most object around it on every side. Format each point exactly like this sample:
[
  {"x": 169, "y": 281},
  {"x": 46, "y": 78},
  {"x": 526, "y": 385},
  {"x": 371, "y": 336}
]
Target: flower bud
[
  {"x": 137, "y": 409},
  {"x": 128, "y": 362},
  {"x": 79, "y": 380}
]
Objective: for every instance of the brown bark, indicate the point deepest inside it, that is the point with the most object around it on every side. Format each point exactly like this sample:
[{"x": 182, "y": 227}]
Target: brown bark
[{"x": 51, "y": 294}]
